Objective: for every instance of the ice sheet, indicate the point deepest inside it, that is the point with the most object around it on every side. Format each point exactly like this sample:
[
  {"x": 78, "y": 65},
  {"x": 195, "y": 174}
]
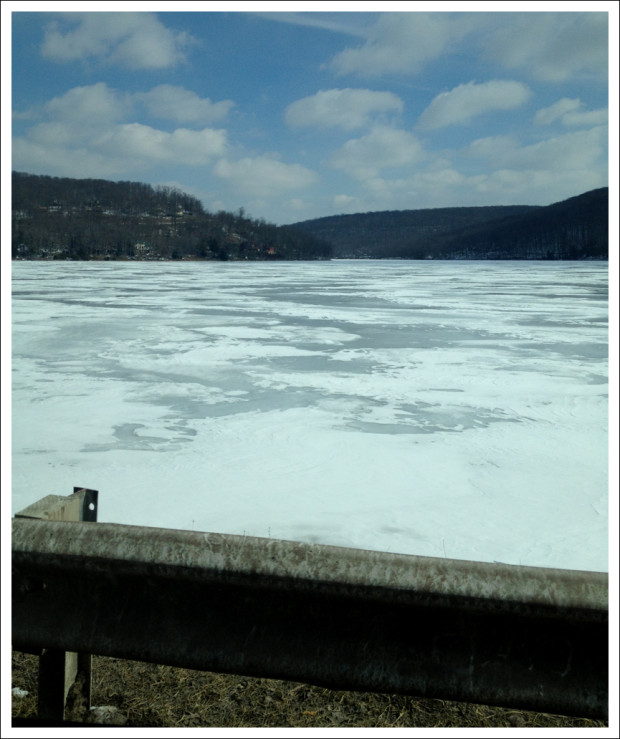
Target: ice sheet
[{"x": 453, "y": 409}]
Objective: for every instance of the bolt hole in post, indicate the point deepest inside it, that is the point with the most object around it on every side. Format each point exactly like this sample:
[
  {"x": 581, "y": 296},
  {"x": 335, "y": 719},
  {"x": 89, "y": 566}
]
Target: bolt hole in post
[{"x": 89, "y": 510}]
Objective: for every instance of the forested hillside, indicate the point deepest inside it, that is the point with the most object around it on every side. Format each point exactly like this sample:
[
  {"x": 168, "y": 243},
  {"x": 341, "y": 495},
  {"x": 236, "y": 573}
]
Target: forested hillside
[
  {"x": 576, "y": 228},
  {"x": 63, "y": 218},
  {"x": 397, "y": 233},
  {"x": 572, "y": 229}
]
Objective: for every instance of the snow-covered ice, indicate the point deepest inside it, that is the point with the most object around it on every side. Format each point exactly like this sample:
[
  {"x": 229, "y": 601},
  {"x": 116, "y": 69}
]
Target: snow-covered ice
[{"x": 450, "y": 409}]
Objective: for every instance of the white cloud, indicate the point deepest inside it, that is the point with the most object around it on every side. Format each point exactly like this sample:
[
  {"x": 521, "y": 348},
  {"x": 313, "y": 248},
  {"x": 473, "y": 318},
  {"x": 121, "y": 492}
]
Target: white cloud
[
  {"x": 398, "y": 42},
  {"x": 383, "y": 147},
  {"x": 451, "y": 187},
  {"x": 90, "y": 105},
  {"x": 571, "y": 152},
  {"x": 353, "y": 24},
  {"x": 534, "y": 187},
  {"x": 344, "y": 201},
  {"x": 469, "y": 100},
  {"x": 135, "y": 40},
  {"x": 299, "y": 205},
  {"x": 140, "y": 143},
  {"x": 347, "y": 109},
  {"x": 549, "y": 46},
  {"x": 183, "y": 106},
  {"x": 89, "y": 128},
  {"x": 64, "y": 158},
  {"x": 97, "y": 105},
  {"x": 54, "y": 148},
  {"x": 55, "y": 134},
  {"x": 493, "y": 148},
  {"x": 568, "y": 111},
  {"x": 264, "y": 175},
  {"x": 76, "y": 118},
  {"x": 586, "y": 118},
  {"x": 545, "y": 116},
  {"x": 495, "y": 170},
  {"x": 552, "y": 46},
  {"x": 421, "y": 188}
]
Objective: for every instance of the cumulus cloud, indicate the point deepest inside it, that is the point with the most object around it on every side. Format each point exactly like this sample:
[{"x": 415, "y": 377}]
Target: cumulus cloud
[
  {"x": 383, "y": 147},
  {"x": 347, "y": 109},
  {"x": 467, "y": 101},
  {"x": 548, "y": 46},
  {"x": 398, "y": 42},
  {"x": 183, "y": 106},
  {"x": 497, "y": 170},
  {"x": 99, "y": 104},
  {"x": 545, "y": 116},
  {"x": 575, "y": 151},
  {"x": 492, "y": 147},
  {"x": 138, "y": 142},
  {"x": 56, "y": 133},
  {"x": 552, "y": 46},
  {"x": 89, "y": 105},
  {"x": 264, "y": 175},
  {"x": 420, "y": 188},
  {"x": 538, "y": 187},
  {"x": 134, "y": 40},
  {"x": 568, "y": 111},
  {"x": 88, "y": 126},
  {"x": 586, "y": 118},
  {"x": 114, "y": 150},
  {"x": 452, "y": 186},
  {"x": 76, "y": 118},
  {"x": 62, "y": 158}
]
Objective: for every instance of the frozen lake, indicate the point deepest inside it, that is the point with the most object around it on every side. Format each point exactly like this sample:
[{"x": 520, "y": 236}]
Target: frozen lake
[{"x": 450, "y": 409}]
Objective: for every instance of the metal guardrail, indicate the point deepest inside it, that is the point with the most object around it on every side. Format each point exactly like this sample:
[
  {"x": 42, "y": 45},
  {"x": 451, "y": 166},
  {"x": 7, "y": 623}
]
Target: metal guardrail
[{"x": 523, "y": 637}]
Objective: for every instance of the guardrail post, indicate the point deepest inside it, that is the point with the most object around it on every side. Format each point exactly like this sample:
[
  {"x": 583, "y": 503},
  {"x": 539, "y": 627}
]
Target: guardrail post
[{"x": 63, "y": 672}]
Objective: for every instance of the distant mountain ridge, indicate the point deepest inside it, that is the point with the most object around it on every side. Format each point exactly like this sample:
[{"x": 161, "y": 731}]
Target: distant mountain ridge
[{"x": 576, "y": 228}]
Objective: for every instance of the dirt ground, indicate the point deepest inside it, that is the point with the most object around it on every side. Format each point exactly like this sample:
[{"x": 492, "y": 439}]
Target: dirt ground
[{"x": 137, "y": 694}]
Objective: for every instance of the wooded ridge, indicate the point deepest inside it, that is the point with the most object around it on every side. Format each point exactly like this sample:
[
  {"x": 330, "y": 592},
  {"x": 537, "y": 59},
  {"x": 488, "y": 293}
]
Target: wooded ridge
[
  {"x": 65, "y": 218},
  {"x": 576, "y": 228}
]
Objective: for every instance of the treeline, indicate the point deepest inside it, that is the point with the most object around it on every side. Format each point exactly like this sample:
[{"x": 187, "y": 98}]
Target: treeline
[
  {"x": 32, "y": 192},
  {"x": 398, "y": 233},
  {"x": 572, "y": 229},
  {"x": 65, "y": 218}
]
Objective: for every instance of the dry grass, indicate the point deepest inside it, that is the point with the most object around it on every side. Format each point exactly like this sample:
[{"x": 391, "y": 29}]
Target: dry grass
[{"x": 157, "y": 696}]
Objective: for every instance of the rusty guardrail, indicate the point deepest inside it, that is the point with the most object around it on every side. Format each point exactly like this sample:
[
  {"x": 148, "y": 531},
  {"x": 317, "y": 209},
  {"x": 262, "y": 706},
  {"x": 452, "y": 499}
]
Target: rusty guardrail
[{"x": 523, "y": 637}]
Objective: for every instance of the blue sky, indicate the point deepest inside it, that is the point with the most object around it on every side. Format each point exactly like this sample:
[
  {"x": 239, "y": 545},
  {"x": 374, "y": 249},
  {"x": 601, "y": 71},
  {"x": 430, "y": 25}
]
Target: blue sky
[{"x": 307, "y": 112}]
